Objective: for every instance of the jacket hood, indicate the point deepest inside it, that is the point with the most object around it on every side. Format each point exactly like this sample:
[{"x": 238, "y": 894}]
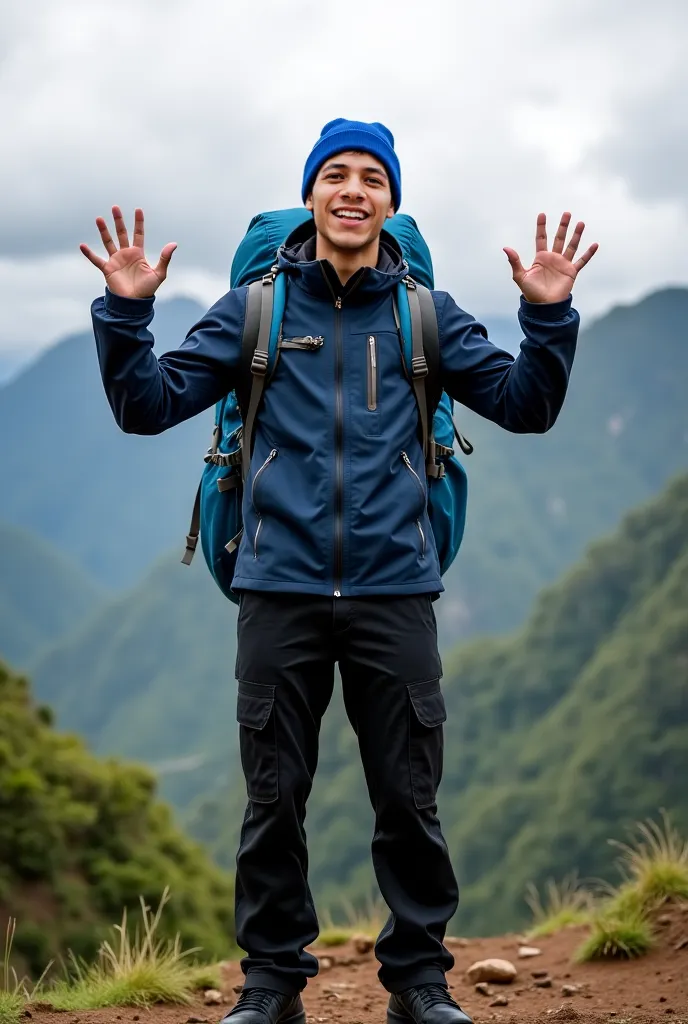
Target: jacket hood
[{"x": 297, "y": 258}]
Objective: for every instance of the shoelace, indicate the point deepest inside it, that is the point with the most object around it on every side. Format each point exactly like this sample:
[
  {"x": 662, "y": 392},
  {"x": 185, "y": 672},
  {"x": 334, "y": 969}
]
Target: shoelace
[
  {"x": 430, "y": 995},
  {"x": 254, "y": 999}
]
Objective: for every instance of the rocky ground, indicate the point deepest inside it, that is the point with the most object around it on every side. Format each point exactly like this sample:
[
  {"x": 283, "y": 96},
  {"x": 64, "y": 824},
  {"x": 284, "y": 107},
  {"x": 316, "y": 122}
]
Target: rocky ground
[{"x": 548, "y": 987}]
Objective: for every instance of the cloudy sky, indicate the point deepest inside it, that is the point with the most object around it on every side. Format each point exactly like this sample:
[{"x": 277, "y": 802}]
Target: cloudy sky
[{"x": 203, "y": 114}]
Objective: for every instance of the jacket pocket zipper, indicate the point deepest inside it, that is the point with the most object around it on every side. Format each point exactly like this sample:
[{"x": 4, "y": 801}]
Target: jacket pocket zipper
[
  {"x": 308, "y": 342},
  {"x": 372, "y": 373},
  {"x": 273, "y": 455},
  {"x": 419, "y": 482},
  {"x": 421, "y": 534}
]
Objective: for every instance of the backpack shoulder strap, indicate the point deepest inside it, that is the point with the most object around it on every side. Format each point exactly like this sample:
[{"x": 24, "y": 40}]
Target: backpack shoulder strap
[
  {"x": 431, "y": 347},
  {"x": 265, "y": 303},
  {"x": 425, "y": 365}
]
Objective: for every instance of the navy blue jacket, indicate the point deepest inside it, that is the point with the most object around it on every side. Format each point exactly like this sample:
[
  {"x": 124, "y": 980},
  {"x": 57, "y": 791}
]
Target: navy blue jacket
[{"x": 331, "y": 505}]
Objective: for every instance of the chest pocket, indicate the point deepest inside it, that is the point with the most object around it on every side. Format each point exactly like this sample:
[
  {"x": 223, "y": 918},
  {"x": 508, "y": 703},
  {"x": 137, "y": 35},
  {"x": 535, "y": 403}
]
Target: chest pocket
[{"x": 377, "y": 355}]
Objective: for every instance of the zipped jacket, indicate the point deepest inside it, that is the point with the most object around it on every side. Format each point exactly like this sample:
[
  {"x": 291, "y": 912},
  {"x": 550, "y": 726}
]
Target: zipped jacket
[{"x": 336, "y": 499}]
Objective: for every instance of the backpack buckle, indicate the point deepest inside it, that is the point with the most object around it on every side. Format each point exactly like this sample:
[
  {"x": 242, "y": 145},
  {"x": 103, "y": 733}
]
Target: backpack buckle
[
  {"x": 419, "y": 366},
  {"x": 259, "y": 363}
]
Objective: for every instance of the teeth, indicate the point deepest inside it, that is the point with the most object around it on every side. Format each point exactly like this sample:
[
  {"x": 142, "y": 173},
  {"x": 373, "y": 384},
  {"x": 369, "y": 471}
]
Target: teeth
[{"x": 350, "y": 214}]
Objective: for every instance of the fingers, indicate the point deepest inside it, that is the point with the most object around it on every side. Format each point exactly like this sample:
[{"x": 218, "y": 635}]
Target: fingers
[
  {"x": 560, "y": 237},
  {"x": 90, "y": 255},
  {"x": 517, "y": 268},
  {"x": 120, "y": 228},
  {"x": 541, "y": 233},
  {"x": 572, "y": 247},
  {"x": 138, "y": 228},
  {"x": 164, "y": 261},
  {"x": 106, "y": 237},
  {"x": 586, "y": 257}
]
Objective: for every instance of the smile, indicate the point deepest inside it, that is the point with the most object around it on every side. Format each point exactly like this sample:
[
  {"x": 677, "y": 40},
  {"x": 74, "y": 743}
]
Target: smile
[{"x": 351, "y": 214}]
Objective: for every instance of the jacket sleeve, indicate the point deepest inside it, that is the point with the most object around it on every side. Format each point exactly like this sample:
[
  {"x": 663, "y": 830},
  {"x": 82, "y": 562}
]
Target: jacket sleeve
[
  {"x": 146, "y": 394},
  {"x": 523, "y": 394}
]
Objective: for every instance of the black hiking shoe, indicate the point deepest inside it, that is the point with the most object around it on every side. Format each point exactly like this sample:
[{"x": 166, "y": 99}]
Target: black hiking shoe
[
  {"x": 425, "y": 1004},
  {"x": 265, "y": 1006}
]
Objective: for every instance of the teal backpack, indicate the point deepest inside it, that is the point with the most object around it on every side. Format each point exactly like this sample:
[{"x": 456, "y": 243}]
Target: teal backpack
[{"x": 217, "y": 515}]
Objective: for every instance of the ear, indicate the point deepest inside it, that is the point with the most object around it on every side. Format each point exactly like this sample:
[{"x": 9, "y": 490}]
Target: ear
[
  {"x": 309, "y": 202},
  {"x": 391, "y": 211}
]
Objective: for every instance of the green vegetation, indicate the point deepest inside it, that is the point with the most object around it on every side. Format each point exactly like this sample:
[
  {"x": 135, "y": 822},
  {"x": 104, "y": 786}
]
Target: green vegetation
[
  {"x": 137, "y": 969},
  {"x": 564, "y": 904},
  {"x": 84, "y": 838},
  {"x": 655, "y": 865},
  {"x": 42, "y": 594},
  {"x": 133, "y": 970},
  {"x": 616, "y": 938},
  {"x": 351, "y": 919},
  {"x": 557, "y": 737}
]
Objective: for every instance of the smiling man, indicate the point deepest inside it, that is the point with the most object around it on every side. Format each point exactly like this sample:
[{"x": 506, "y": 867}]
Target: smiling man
[{"x": 337, "y": 563}]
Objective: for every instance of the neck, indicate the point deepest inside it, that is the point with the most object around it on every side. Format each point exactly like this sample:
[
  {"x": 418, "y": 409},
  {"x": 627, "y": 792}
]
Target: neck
[{"x": 347, "y": 261}]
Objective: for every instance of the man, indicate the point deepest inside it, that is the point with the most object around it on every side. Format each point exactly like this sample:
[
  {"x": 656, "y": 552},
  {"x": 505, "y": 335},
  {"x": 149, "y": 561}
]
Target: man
[{"x": 332, "y": 567}]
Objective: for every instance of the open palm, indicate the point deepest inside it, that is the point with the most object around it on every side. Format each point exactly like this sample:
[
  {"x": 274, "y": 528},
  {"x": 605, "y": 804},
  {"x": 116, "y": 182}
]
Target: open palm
[
  {"x": 126, "y": 271},
  {"x": 551, "y": 277}
]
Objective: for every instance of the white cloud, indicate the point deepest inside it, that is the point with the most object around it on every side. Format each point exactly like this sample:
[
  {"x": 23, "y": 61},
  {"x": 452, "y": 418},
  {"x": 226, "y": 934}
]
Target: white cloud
[{"x": 204, "y": 113}]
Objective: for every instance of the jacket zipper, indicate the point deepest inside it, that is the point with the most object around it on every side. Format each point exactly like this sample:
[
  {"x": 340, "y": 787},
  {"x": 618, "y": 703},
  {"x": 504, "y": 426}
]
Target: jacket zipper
[
  {"x": 372, "y": 373},
  {"x": 273, "y": 455},
  {"x": 419, "y": 527},
  {"x": 339, "y": 431}
]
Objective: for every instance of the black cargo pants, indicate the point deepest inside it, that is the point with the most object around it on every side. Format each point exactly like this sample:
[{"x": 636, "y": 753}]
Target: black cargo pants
[{"x": 386, "y": 648}]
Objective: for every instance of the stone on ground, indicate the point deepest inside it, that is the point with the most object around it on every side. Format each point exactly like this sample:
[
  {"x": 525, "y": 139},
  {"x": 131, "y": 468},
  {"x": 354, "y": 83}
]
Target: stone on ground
[{"x": 501, "y": 972}]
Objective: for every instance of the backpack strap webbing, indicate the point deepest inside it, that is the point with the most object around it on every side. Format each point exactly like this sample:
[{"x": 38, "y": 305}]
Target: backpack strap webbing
[
  {"x": 255, "y": 355},
  {"x": 425, "y": 368},
  {"x": 430, "y": 340}
]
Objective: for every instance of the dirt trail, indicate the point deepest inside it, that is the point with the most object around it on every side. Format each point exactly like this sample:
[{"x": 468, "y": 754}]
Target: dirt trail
[{"x": 652, "y": 989}]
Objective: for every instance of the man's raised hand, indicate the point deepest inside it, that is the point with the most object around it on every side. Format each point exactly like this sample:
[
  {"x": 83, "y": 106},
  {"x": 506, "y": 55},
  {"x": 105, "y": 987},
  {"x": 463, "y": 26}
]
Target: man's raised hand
[
  {"x": 551, "y": 277},
  {"x": 126, "y": 271}
]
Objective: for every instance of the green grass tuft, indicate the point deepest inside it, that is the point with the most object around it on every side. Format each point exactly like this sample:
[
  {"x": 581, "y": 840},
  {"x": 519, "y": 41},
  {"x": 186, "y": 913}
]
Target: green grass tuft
[
  {"x": 563, "y": 904},
  {"x": 367, "y": 920},
  {"x": 11, "y": 1006},
  {"x": 130, "y": 971},
  {"x": 205, "y": 976},
  {"x": 654, "y": 864},
  {"x": 334, "y": 936},
  {"x": 616, "y": 938}
]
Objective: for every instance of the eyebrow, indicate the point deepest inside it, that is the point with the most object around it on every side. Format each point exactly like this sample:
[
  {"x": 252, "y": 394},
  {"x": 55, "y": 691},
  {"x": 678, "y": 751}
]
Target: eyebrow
[{"x": 368, "y": 170}]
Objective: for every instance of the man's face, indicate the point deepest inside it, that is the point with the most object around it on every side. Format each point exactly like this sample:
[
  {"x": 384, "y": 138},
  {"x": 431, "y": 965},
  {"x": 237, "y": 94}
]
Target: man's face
[{"x": 351, "y": 199}]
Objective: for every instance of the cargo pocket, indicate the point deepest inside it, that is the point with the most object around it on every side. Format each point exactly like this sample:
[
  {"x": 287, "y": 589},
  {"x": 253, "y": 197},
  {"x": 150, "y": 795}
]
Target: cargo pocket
[
  {"x": 258, "y": 740},
  {"x": 426, "y": 715}
]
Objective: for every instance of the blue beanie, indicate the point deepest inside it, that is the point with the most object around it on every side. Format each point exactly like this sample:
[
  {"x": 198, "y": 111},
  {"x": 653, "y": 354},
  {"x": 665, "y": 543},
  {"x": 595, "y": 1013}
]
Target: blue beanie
[{"x": 341, "y": 135}]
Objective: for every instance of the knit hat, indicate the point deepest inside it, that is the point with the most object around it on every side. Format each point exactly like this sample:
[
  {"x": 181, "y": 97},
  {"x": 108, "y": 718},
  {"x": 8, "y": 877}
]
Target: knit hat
[{"x": 341, "y": 135}]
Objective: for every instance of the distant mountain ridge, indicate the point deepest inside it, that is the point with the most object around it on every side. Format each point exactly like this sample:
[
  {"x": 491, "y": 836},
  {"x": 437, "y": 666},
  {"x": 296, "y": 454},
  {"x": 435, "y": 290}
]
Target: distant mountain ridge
[
  {"x": 43, "y": 595},
  {"x": 110, "y": 501}
]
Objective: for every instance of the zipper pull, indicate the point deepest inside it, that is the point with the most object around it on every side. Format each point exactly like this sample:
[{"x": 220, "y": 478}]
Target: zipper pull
[
  {"x": 338, "y": 302},
  {"x": 406, "y": 459},
  {"x": 371, "y": 342}
]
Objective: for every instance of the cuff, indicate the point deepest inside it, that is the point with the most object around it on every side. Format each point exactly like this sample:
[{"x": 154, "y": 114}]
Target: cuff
[
  {"x": 122, "y": 306},
  {"x": 545, "y": 312}
]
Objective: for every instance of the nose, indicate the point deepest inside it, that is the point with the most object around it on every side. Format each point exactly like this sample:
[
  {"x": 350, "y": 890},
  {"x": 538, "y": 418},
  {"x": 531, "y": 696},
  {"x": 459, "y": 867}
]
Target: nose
[{"x": 352, "y": 191}]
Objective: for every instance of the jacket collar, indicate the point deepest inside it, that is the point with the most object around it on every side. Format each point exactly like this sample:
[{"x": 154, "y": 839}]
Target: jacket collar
[{"x": 297, "y": 258}]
